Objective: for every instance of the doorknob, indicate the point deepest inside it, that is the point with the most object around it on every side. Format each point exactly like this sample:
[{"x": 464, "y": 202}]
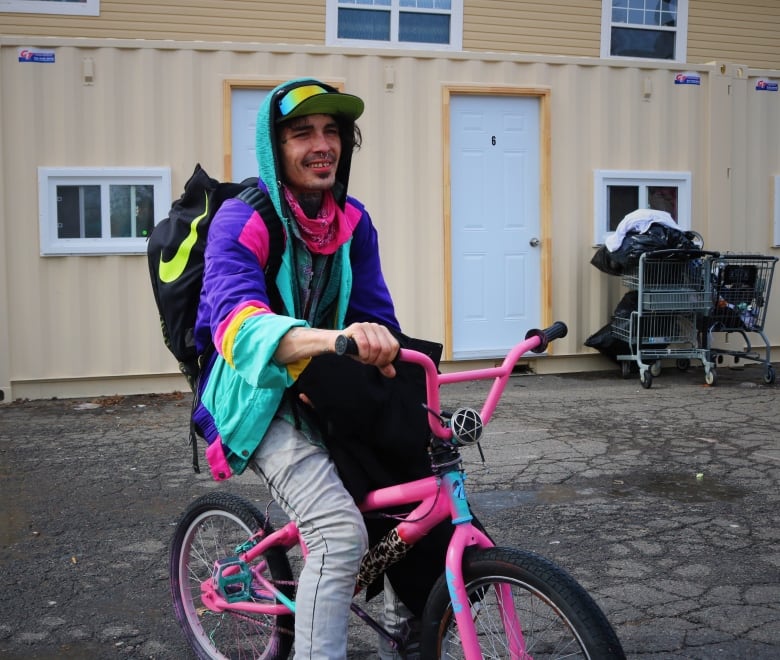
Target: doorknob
[{"x": 534, "y": 242}]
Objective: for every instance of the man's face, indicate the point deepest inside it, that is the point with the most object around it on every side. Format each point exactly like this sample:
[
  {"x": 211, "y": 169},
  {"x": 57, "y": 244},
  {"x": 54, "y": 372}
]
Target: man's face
[{"x": 310, "y": 148}]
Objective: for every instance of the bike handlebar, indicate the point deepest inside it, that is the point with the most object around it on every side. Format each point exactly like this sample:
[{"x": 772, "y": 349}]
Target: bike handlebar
[
  {"x": 535, "y": 341},
  {"x": 557, "y": 330}
]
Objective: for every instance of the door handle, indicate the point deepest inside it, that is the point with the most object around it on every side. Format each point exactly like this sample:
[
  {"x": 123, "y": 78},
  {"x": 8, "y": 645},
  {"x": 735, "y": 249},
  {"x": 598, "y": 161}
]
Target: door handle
[{"x": 534, "y": 242}]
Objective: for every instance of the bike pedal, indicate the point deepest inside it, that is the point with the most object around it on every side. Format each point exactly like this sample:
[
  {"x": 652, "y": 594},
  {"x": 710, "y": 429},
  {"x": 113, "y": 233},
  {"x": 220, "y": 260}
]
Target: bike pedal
[{"x": 232, "y": 579}]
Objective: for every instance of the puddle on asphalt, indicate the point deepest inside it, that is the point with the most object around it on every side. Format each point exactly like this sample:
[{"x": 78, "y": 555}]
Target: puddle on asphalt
[
  {"x": 685, "y": 487},
  {"x": 675, "y": 486},
  {"x": 549, "y": 494}
]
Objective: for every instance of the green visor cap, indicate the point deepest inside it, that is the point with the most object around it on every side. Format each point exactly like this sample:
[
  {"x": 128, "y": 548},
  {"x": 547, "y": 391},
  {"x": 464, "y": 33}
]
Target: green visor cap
[{"x": 316, "y": 100}]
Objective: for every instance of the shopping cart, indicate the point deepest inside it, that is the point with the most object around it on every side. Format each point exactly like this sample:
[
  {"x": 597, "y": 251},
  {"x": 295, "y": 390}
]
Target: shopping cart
[
  {"x": 741, "y": 287},
  {"x": 674, "y": 293}
]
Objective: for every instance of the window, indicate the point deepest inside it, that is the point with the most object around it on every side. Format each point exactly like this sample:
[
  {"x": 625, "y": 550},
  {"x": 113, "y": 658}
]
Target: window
[
  {"x": 72, "y": 7},
  {"x": 100, "y": 211},
  {"x": 432, "y": 24},
  {"x": 617, "y": 193},
  {"x": 648, "y": 29}
]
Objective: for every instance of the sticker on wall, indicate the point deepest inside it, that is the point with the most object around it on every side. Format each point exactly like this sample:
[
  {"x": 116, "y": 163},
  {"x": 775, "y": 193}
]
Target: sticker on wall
[
  {"x": 36, "y": 55},
  {"x": 687, "y": 78},
  {"x": 764, "y": 85}
]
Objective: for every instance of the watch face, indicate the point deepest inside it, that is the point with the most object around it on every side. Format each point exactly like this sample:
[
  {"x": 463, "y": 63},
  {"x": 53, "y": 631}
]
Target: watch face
[{"x": 341, "y": 345}]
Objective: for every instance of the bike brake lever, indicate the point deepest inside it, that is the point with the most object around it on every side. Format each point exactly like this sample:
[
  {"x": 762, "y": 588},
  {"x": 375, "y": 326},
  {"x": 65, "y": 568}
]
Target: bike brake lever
[{"x": 441, "y": 416}]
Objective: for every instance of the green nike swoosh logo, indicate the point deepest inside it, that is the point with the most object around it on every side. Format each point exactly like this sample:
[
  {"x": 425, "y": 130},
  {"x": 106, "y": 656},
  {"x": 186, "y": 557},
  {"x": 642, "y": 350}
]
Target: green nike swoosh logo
[{"x": 172, "y": 270}]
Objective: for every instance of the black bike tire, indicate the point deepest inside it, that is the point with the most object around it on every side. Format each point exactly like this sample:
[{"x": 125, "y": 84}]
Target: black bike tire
[
  {"x": 233, "y": 509},
  {"x": 535, "y": 575}
]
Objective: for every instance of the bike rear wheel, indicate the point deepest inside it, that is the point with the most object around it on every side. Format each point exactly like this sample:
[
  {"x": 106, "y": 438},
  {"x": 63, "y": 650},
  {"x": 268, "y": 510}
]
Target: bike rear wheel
[
  {"x": 557, "y": 617},
  {"x": 211, "y": 529}
]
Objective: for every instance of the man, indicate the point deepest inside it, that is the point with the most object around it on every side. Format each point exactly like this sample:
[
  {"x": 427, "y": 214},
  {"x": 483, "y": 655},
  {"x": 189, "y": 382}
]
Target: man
[{"x": 330, "y": 282}]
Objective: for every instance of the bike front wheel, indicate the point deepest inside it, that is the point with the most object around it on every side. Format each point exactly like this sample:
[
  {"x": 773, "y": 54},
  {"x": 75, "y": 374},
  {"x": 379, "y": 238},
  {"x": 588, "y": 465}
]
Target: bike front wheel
[
  {"x": 523, "y": 606},
  {"x": 210, "y": 530}
]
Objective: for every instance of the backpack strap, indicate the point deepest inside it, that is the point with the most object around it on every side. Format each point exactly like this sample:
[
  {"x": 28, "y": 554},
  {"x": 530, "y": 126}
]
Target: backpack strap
[{"x": 260, "y": 201}]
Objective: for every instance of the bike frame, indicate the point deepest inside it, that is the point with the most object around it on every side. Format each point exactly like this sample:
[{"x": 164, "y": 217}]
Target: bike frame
[{"x": 437, "y": 498}]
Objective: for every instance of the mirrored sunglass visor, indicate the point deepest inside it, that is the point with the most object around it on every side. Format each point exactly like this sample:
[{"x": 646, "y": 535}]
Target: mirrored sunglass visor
[{"x": 296, "y": 96}]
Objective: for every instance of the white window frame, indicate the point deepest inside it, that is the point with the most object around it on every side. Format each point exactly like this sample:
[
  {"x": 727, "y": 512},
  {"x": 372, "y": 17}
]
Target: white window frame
[
  {"x": 86, "y": 8},
  {"x": 602, "y": 179},
  {"x": 456, "y": 28},
  {"x": 681, "y": 34},
  {"x": 51, "y": 177}
]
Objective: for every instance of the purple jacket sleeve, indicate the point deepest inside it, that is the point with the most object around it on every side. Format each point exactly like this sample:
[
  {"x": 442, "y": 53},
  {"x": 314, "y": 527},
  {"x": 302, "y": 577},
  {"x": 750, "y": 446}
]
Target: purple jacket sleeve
[{"x": 370, "y": 299}]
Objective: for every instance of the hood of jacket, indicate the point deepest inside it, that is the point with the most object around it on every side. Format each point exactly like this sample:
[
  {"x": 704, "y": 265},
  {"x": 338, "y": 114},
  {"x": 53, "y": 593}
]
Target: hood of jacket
[{"x": 266, "y": 147}]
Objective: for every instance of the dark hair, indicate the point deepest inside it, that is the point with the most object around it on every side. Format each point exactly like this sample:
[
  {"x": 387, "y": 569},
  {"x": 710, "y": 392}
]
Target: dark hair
[{"x": 349, "y": 132}]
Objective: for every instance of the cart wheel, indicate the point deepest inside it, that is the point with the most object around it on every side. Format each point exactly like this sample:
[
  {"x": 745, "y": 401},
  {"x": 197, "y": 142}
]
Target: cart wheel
[
  {"x": 625, "y": 369},
  {"x": 769, "y": 375},
  {"x": 683, "y": 364},
  {"x": 711, "y": 377},
  {"x": 655, "y": 368},
  {"x": 646, "y": 379}
]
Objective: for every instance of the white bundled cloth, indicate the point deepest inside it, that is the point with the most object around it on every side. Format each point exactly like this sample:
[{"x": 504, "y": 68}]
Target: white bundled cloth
[{"x": 638, "y": 221}]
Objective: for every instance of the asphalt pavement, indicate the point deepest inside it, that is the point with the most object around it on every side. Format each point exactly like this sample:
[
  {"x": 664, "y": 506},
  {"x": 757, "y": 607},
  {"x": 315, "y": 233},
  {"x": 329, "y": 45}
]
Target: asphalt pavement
[{"x": 662, "y": 502}]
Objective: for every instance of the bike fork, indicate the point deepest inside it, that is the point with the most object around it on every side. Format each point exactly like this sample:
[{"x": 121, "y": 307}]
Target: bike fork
[
  {"x": 466, "y": 616},
  {"x": 467, "y": 612}
]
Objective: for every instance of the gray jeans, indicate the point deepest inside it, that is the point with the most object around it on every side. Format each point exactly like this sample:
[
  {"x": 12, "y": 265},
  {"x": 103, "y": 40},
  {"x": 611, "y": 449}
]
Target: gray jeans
[{"x": 304, "y": 482}]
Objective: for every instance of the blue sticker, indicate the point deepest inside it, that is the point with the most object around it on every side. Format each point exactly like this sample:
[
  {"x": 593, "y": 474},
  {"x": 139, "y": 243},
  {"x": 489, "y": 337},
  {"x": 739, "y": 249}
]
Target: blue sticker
[
  {"x": 766, "y": 85},
  {"x": 687, "y": 79},
  {"x": 36, "y": 55}
]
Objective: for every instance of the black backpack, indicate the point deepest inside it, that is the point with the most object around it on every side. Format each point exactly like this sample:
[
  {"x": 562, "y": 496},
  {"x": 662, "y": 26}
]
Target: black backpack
[{"x": 176, "y": 259}]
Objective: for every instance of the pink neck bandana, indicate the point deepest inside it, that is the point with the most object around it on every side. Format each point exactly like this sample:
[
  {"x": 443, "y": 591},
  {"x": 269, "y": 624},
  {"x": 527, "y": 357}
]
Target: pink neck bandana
[{"x": 324, "y": 233}]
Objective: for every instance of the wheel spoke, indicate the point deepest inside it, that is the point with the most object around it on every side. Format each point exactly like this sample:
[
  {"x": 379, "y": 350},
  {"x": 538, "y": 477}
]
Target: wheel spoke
[{"x": 211, "y": 530}]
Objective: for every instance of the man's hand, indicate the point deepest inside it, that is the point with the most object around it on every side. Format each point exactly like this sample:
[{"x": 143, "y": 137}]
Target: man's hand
[{"x": 376, "y": 346}]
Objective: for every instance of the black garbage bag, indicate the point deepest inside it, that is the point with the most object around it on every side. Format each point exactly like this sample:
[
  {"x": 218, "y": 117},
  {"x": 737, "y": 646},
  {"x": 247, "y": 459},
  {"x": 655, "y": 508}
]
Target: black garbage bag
[
  {"x": 657, "y": 237},
  {"x": 604, "y": 262},
  {"x": 604, "y": 340}
]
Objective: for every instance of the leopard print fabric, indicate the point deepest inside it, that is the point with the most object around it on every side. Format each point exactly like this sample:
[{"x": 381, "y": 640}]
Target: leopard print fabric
[{"x": 387, "y": 552}]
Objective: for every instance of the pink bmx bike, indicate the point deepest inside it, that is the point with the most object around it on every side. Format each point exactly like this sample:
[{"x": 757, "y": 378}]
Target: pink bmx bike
[{"x": 233, "y": 575}]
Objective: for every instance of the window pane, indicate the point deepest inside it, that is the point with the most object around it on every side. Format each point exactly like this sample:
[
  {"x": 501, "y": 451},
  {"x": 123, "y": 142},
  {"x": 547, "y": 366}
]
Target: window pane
[
  {"x": 120, "y": 211},
  {"x": 78, "y": 212},
  {"x": 656, "y": 44},
  {"x": 636, "y": 16},
  {"x": 621, "y": 200},
  {"x": 364, "y": 24},
  {"x": 663, "y": 198},
  {"x": 424, "y": 28},
  {"x": 445, "y": 5},
  {"x": 144, "y": 210},
  {"x": 132, "y": 210},
  {"x": 639, "y": 12}
]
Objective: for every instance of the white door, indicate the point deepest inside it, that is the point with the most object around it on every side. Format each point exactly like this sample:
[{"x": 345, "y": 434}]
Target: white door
[
  {"x": 495, "y": 222},
  {"x": 244, "y": 104}
]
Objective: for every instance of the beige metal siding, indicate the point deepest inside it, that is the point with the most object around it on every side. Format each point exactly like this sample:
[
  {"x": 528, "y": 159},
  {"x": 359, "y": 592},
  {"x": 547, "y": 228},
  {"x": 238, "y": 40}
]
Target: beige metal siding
[
  {"x": 265, "y": 21},
  {"x": 85, "y": 324},
  {"x": 717, "y": 30}
]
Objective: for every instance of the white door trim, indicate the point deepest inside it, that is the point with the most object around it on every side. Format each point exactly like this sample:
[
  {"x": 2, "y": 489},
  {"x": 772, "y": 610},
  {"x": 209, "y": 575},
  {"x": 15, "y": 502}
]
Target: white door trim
[{"x": 545, "y": 220}]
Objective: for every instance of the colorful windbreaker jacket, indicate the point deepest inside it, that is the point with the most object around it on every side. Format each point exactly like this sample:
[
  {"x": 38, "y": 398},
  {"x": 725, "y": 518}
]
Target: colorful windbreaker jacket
[{"x": 242, "y": 385}]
